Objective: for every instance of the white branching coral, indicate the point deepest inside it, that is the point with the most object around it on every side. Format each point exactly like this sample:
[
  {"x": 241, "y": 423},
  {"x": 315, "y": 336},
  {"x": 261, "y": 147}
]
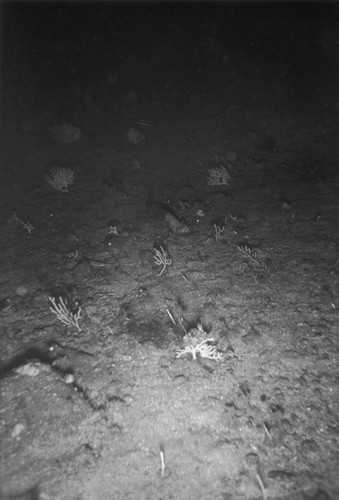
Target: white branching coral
[
  {"x": 63, "y": 312},
  {"x": 26, "y": 225},
  {"x": 60, "y": 178},
  {"x": 197, "y": 342},
  {"x": 134, "y": 136},
  {"x": 161, "y": 258},
  {"x": 218, "y": 230},
  {"x": 218, "y": 176}
]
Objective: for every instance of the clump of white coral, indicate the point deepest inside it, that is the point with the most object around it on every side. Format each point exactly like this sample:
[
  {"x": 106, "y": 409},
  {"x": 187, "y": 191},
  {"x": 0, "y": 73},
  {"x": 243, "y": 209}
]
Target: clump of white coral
[
  {"x": 60, "y": 178},
  {"x": 134, "y": 136},
  {"x": 197, "y": 342},
  {"x": 218, "y": 176}
]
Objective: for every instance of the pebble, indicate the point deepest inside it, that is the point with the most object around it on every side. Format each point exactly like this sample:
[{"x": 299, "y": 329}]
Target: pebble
[
  {"x": 18, "y": 429},
  {"x": 29, "y": 369},
  {"x": 175, "y": 225},
  {"x": 21, "y": 290},
  {"x": 309, "y": 446},
  {"x": 251, "y": 337}
]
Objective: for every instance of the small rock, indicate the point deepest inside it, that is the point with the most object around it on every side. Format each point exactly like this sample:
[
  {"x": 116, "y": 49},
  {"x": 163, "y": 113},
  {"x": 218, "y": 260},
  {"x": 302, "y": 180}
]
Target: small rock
[
  {"x": 309, "y": 446},
  {"x": 18, "y": 429},
  {"x": 29, "y": 369},
  {"x": 251, "y": 337},
  {"x": 320, "y": 494},
  {"x": 252, "y": 460},
  {"x": 176, "y": 226},
  {"x": 245, "y": 388},
  {"x": 69, "y": 378},
  {"x": 164, "y": 362},
  {"x": 4, "y": 303},
  {"x": 21, "y": 290},
  {"x": 281, "y": 475}
]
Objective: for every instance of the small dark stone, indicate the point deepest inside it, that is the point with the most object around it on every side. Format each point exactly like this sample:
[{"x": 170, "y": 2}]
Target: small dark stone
[
  {"x": 320, "y": 494},
  {"x": 281, "y": 475},
  {"x": 285, "y": 424},
  {"x": 176, "y": 226},
  {"x": 245, "y": 388},
  {"x": 252, "y": 460},
  {"x": 164, "y": 362},
  {"x": 251, "y": 337},
  {"x": 275, "y": 408},
  {"x": 309, "y": 446}
]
